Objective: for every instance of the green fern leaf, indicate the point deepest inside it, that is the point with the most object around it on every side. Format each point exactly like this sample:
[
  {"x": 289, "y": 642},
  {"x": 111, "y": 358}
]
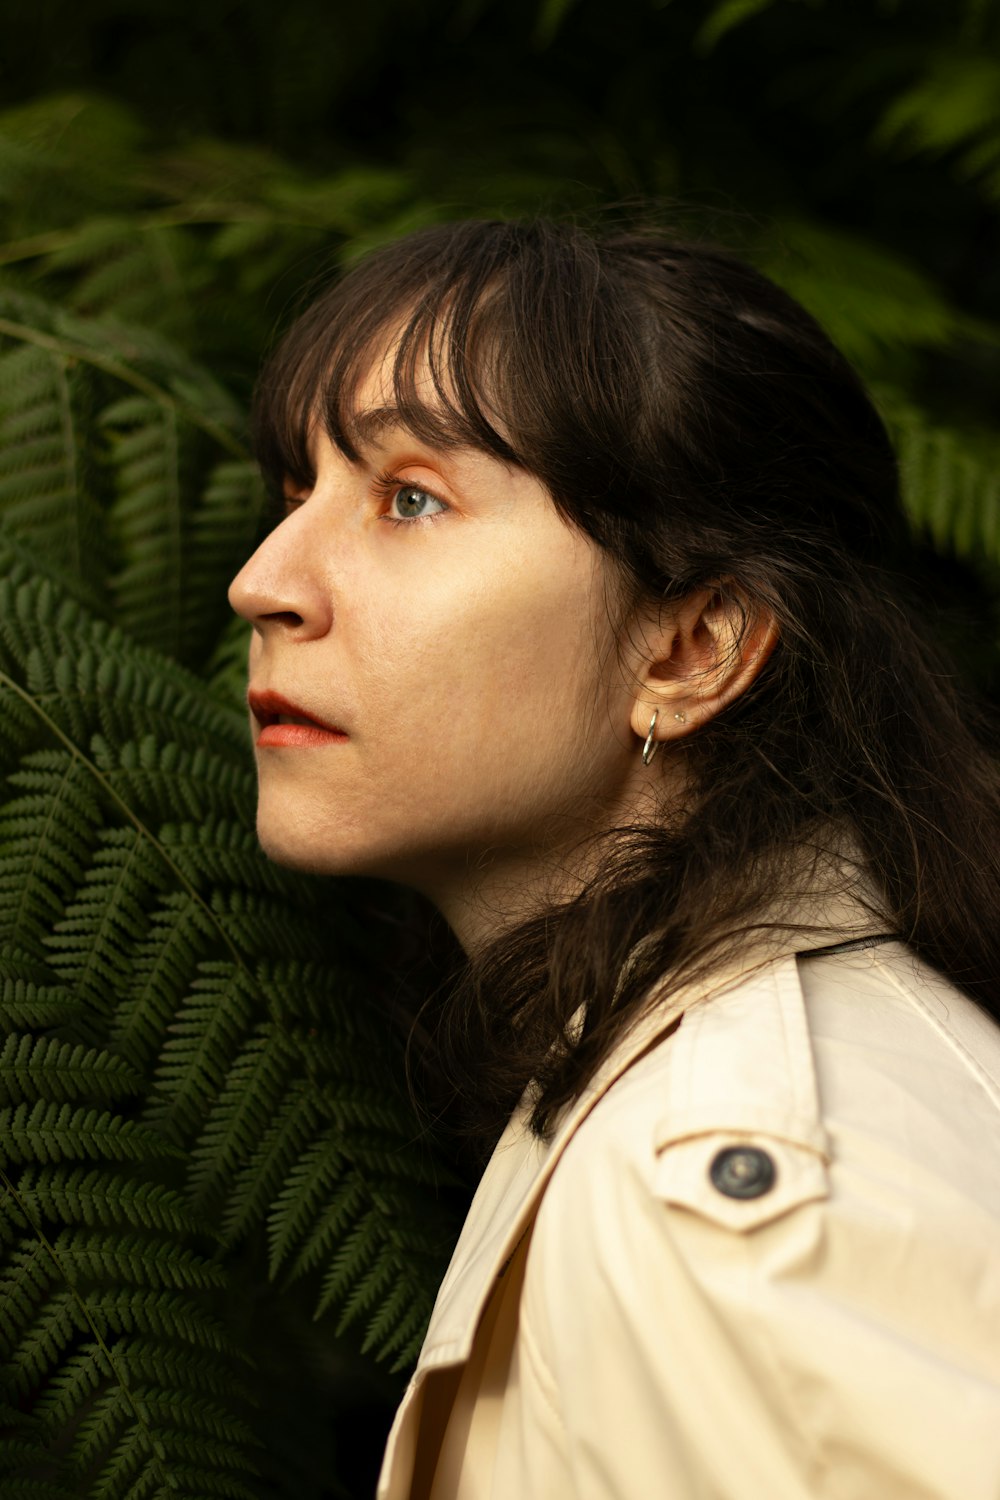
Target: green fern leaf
[
  {"x": 50, "y": 475},
  {"x": 50, "y": 1132},
  {"x": 871, "y": 301},
  {"x": 41, "y": 1067},
  {"x": 218, "y": 851},
  {"x": 134, "y": 274},
  {"x": 164, "y": 965},
  {"x": 257, "y": 1181},
  {"x": 98, "y": 1198},
  {"x": 205, "y": 1036},
  {"x": 359, "y": 1272},
  {"x": 305, "y": 1195},
  {"x": 163, "y": 780},
  {"x": 47, "y": 835},
  {"x": 253, "y": 1089},
  {"x": 951, "y": 482},
  {"x": 89, "y": 947},
  {"x": 123, "y": 461},
  {"x": 87, "y": 1254},
  {"x": 226, "y": 670},
  {"x": 23, "y": 1003}
]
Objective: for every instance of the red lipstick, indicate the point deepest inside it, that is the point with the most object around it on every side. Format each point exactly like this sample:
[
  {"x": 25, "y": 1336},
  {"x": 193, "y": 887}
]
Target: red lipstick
[{"x": 285, "y": 723}]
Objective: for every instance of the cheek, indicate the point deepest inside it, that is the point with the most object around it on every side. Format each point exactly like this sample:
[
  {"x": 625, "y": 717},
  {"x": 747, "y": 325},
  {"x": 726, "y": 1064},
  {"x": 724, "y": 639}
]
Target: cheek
[
  {"x": 483, "y": 703},
  {"x": 500, "y": 694}
]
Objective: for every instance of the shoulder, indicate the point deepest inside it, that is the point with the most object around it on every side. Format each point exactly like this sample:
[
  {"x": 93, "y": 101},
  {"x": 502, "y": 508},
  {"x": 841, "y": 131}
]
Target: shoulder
[
  {"x": 824, "y": 1063},
  {"x": 851, "y": 1299}
]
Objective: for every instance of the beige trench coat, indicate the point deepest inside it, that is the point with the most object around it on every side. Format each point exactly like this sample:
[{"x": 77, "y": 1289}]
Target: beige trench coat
[{"x": 618, "y": 1324}]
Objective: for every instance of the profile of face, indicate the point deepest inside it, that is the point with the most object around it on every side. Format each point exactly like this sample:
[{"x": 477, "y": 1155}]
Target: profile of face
[{"x": 431, "y": 605}]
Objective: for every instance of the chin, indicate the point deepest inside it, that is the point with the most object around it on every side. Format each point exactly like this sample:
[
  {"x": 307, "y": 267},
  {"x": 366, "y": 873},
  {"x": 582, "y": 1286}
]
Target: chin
[{"x": 286, "y": 841}]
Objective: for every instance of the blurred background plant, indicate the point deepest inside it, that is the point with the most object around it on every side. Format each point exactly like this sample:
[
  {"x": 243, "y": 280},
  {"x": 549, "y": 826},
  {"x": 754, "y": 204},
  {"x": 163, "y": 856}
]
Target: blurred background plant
[{"x": 222, "y": 1226}]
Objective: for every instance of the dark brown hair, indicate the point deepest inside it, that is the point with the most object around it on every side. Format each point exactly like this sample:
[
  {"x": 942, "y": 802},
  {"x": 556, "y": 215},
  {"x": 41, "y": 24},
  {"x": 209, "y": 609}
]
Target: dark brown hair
[{"x": 697, "y": 424}]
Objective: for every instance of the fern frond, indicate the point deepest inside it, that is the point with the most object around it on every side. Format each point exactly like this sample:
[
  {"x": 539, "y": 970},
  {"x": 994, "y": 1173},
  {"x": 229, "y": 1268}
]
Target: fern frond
[
  {"x": 226, "y": 669},
  {"x": 50, "y": 476},
  {"x": 99, "y": 1198},
  {"x": 206, "y": 1035},
  {"x": 182, "y": 525},
  {"x": 43, "y": 1325},
  {"x": 147, "y": 449},
  {"x": 94, "y": 1255},
  {"x": 950, "y": 480},
  {"x": 256, "y": 1183},
  {"x": 871, "y": 300},
  {"x": 123, "y": 461},
  {"x": 134, "y": 356},
  {"x": 164, "y": 780},
  {"x": 165, "y": 1463},
  {"x": 133, "y": 274},
  {"x": 304, "y": 1195},
  {"x": 127, "y": 1310},
  {"x": 164, "y": 965},
  {"x": 43, "y": 1068},
  {"x": 47, "y": 835},
  {"x": 220, "y": 851},
  {"x": 359, "y": 1273},
  {"x": 50, "y": 1132},
  {"x": 89, "y": 947},
  {"x": 397, "y": 1328},
  {"x": 261, "y": 927},
  {"x": 225, "y": 526},
  {"x": 61, "y": 155},
  {"x": 23, "y": 1004},
  {"x": 252, "y": 1092},
  {"x": 724, "y": 17},
  {"x": 394, "y": 1252}
]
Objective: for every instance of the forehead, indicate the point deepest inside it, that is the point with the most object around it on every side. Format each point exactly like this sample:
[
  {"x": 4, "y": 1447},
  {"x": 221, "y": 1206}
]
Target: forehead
[{"x": 413, "y": 386}]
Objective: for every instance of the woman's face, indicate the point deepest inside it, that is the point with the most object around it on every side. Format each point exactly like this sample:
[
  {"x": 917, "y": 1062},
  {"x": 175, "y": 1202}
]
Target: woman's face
[{"x": 431, "y": 605}]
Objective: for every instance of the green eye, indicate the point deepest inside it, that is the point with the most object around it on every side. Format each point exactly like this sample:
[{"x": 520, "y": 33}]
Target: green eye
[{"x": 410, "y": 503}]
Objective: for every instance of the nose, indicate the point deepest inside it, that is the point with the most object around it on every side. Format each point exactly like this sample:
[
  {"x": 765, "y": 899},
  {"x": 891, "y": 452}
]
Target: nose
[{"x": 281, "y": 588}]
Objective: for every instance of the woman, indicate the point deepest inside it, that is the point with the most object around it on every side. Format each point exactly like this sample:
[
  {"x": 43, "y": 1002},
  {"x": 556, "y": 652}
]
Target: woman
[{"x": 582, "y": 621}]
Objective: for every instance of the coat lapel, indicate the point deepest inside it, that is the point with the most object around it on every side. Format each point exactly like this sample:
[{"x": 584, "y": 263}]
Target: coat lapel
[{"x": 521, "y": 1165}]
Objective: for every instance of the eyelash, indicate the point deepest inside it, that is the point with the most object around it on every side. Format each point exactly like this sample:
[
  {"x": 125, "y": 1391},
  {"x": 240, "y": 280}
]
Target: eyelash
[{"x": 387, "y": 485}]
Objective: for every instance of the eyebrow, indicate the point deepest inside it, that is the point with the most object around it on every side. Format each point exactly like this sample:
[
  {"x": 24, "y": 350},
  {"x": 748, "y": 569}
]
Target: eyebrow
[{"x": 369, "y": 425}]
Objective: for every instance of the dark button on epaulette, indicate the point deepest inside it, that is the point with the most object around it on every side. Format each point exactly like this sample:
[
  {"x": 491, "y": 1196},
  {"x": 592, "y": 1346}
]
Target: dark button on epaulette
[{"x": 742, "y": 1172}]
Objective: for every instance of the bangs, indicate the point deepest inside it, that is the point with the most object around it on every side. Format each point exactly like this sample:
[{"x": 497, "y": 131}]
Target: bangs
[{"x": 439, "y": 312}]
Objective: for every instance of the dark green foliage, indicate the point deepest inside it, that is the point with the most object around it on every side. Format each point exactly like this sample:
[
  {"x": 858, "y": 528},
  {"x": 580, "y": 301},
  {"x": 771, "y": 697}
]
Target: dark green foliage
[
  {"x": 122, "y": 464},
  {"x": 185, "y": 1025},
  {"x": 100, "y": 1255},
  {"x": 206, "y": 1143}
]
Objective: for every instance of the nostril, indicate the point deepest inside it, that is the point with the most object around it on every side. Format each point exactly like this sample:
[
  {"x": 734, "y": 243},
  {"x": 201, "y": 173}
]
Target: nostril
[{"x": 285, "y": 617}]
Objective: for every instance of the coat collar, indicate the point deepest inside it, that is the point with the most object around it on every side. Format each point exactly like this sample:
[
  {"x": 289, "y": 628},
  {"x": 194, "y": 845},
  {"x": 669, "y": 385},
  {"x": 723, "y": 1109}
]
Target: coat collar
[{"x": 521, "y": 1164}]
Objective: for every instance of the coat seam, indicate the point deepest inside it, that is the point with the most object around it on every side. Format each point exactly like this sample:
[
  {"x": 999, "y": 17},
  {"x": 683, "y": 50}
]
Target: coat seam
[
  {"x": 989, "y": 1086},
  {"x": 547, "y": 1384}
]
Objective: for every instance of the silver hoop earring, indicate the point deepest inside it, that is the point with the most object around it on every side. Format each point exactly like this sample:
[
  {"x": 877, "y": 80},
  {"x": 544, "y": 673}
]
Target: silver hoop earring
[{"x": 650, "y": 748}]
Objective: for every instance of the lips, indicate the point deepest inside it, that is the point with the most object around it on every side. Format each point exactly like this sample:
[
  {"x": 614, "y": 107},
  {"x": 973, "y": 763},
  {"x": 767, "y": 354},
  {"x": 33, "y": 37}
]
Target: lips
[{"x": 285, "y": 724}]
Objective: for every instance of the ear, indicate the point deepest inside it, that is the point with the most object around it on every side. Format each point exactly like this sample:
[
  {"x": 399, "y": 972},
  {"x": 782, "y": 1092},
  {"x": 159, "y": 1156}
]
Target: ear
[{"x": 698, "y": 656}]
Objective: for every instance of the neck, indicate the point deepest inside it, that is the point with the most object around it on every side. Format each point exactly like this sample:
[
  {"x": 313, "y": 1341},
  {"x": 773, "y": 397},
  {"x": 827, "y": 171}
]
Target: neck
[{"x": 488, "y": 892}]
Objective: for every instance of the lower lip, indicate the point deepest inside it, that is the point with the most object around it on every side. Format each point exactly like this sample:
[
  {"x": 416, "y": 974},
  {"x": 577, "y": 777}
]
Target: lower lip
[{"x": 274, "y": 735}]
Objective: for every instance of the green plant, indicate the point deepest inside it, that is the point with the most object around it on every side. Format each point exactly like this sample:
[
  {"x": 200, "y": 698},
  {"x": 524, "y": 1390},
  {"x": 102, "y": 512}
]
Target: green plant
[
  {"x": 206, "y": 1139},
  {"x": 193, "y": 1057}
]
